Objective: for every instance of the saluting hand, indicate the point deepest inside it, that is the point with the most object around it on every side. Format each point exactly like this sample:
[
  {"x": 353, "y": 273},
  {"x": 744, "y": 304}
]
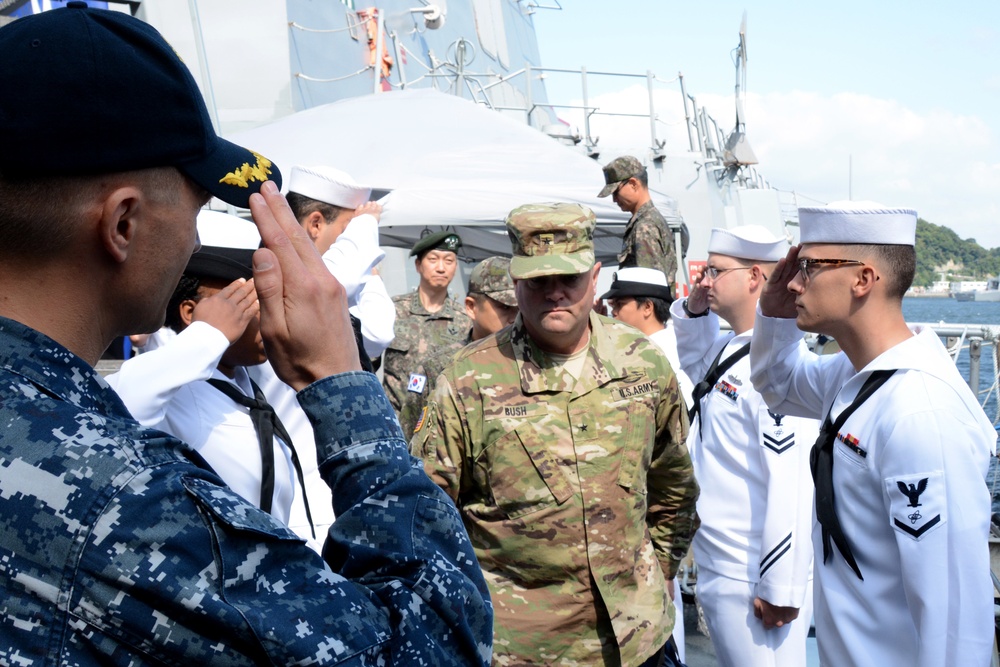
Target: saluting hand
[
  {"x": 303, "y": 309},
  {"x": 775, "y": 299},
  {"x": 230, "y": 309},
  {"x": 372, "y": 208},
  {"x": 698, "y": 298}
]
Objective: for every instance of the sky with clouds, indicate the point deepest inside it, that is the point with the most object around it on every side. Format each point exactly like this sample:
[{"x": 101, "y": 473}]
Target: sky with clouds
[{"x": 896, "y": 102}]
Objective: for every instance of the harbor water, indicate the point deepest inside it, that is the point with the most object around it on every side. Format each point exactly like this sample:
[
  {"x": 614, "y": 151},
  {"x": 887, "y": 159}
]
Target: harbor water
[{"x": 945, "y": 310}]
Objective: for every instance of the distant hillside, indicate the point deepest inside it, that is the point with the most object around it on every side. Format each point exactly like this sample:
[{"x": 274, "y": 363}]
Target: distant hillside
[{"x": 937, "y": 245}]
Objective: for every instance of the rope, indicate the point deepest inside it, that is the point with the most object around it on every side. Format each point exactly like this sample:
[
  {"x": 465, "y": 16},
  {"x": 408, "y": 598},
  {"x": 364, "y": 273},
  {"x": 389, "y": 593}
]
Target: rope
[
  {"x": 408, "y": 83},
  {"x": 293, "y": 24},
  {"x": 656, "y": 78},
  {"x": 300, "y": 75},
  {"x": 420, "y": 62},
  {"x": 957, "y": 350}
]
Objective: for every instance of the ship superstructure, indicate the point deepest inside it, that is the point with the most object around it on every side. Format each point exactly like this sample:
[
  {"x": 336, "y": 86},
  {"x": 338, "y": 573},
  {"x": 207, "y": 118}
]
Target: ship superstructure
[{"x": 262, "y": 62}]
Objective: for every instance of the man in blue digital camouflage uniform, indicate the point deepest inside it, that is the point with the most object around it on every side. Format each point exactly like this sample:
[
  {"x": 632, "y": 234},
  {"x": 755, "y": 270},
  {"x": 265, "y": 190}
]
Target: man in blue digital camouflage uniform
[{"x": 118, "y": 544}]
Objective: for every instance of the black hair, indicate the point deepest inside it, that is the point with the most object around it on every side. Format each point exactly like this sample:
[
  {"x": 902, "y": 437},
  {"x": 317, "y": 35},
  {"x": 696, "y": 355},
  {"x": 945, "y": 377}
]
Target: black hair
[
  {"x": 661, "y": 307},
  {"x": 303, "y": 206},
  {"x": 898, "y": 263},
  {"x": 186, "y": 289},
  {"x": 39, "y": 216},
  {"x": 643, "y": 177}
]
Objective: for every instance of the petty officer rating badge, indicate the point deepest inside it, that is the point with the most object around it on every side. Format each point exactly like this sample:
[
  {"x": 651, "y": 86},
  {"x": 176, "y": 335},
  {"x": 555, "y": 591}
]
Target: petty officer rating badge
[
  {"x": 917, "y": 503},
  {"x": 773, "y": 434}
]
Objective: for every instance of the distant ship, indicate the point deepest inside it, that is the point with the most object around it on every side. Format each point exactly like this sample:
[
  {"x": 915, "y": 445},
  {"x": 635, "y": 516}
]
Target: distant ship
[{"x": 990, "y": 294}]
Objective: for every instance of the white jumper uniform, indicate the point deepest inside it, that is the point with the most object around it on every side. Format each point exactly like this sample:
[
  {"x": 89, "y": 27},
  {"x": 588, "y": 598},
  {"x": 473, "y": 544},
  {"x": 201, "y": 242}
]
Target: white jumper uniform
[
  {"x": 350, "y": 259},
  {"x": 909, "y": 483},
  {"x": 755, "y": 504},
  {"x": 666, "y": 340},
  {"x": 166, "y": 389}
]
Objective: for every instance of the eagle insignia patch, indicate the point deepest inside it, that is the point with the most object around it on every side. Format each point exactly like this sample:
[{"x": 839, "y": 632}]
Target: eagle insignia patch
[
  {"x": 775, "y": 435},
  {"x": 917, "y": 503}
]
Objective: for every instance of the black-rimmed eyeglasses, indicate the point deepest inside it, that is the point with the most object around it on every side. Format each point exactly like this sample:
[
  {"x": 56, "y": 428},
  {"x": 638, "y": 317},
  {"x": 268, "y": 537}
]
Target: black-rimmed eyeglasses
[{"x": 806, "y": 263}]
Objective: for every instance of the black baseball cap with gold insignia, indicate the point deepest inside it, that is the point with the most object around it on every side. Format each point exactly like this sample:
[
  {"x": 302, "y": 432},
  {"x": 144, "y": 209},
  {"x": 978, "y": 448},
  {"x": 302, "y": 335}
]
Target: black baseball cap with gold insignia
[
  {"x": 445, "y": 240},
  {"x": 92, "y": 91}
]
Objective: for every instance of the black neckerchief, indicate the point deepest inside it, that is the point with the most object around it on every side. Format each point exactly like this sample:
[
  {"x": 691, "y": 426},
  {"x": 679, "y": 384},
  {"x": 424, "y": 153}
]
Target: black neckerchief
[
  {"x": 715, "y": 371},
  {"x": 267, "y": 425},
  {"x": 821, "y": 463}
]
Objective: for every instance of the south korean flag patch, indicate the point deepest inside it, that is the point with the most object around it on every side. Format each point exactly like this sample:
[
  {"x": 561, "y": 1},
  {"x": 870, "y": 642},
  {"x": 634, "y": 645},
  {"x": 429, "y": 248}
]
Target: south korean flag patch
[
  {"x": 775, "y": 433},
  {"x": 917, "y": 503},
  {"x": 417, "y": 383}
]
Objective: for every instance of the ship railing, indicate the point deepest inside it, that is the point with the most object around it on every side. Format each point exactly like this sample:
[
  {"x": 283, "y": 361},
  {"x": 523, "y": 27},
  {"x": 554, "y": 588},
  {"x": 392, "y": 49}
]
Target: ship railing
[
  {"x": 972, "y": 338},
  {"x": 704, "y": 134},
  {"x": 957, "y": 338}
]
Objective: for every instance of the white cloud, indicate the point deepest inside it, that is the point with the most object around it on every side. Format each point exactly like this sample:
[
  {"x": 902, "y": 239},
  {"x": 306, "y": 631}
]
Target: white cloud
[{"x": 945, "y": 165}]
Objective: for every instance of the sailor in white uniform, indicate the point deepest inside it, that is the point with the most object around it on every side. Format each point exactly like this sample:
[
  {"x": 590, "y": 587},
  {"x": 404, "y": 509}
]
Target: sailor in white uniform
[
  {"x": 195, "y": 386},
  {"x": 902, "y": 561},
  {"x": 336, "y": 214},
  {"x": 640, "y": 296},
  {"x": 343, "y": 224},
  {"x": 753, "y": 549}
]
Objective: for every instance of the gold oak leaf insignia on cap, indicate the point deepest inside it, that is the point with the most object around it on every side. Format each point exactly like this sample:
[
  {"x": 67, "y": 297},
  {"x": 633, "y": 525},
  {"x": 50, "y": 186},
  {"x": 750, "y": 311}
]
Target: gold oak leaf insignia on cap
[{"x": 246, "y": 174}]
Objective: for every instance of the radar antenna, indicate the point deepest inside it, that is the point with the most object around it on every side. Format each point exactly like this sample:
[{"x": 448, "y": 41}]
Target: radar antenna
[{"x": 737, "y": 150}]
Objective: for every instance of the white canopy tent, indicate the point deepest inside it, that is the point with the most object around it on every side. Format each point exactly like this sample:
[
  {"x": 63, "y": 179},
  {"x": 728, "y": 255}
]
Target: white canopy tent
[{"x": 447, "y": 163}]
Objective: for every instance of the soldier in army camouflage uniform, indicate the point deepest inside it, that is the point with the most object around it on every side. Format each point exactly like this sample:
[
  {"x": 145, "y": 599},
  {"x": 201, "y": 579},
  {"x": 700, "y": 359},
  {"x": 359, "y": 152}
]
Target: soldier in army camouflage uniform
[
  {"x": 490, "y": 304},
  {"x": 561, "y": 440},
  {"x": 120, "y": 545},
  {"x": 648, "y": 240},
  {"x": 428, "y": 322}
]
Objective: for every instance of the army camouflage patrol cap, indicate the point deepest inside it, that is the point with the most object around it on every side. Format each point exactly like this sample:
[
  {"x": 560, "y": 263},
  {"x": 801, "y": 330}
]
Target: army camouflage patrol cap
[
  {"x": 492, "y": 278},
  {"x": 551, "y": 240},
  {"x": 618, "y": 171},
  {"x": 445, "y": 240}
]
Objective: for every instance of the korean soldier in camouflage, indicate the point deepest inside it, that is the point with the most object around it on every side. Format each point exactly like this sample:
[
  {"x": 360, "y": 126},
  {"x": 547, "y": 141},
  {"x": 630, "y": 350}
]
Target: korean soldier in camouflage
[
  {"x": 428, "y": 322},
  {"x": 119, "y": 544},
  {"x": 490, "y": 304},
  {"x": 647, "y": 241},
  {"x": 561, "y": 440}
]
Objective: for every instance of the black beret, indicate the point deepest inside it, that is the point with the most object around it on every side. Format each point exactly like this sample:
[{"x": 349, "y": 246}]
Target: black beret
[{"x": 438, "y": 241}]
